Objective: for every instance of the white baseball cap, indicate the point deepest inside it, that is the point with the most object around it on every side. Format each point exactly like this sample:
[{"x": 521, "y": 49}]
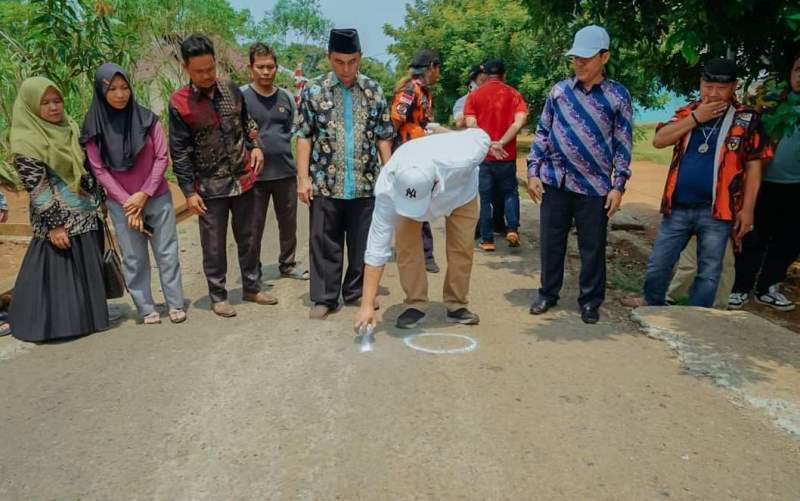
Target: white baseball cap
[
  {"x": 413, "y": 189},
  {"x": 589, "y": 41}
]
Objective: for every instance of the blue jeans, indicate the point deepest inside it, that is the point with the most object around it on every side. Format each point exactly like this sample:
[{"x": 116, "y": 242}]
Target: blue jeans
[
  {"x": 673, "y": 234},
  {"x": 502, "y": 177}
]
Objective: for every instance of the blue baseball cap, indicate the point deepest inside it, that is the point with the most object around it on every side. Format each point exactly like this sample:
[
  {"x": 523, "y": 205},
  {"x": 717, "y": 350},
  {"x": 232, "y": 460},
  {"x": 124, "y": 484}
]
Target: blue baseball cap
[{"x": 589, "y": 41}]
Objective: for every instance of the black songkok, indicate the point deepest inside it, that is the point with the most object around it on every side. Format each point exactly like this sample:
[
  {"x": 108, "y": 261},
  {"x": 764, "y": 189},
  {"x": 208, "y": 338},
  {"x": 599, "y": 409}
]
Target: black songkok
[{"x": 344, "y": 41}]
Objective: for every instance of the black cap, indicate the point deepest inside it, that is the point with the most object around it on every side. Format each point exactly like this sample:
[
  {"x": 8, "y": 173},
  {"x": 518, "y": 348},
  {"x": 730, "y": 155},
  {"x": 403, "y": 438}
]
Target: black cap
[
  {"x": 720, "y": 70},
  {"x": 344, "y": 41},
  {"x": 494, "y": 67},
  {"x": 474, "y": 72},
  {"x": 424, "y": 58}
]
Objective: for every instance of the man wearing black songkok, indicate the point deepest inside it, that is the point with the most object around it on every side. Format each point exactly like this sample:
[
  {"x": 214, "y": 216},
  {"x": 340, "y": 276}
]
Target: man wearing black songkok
[{"x": 344, "y": 134}]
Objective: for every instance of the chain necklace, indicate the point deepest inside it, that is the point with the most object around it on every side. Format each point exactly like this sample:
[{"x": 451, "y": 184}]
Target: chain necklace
[{"x": 703, "y": 148}]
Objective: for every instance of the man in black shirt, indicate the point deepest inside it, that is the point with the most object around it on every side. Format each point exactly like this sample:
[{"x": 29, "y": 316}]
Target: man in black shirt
[{"x": 273, "y": 109}]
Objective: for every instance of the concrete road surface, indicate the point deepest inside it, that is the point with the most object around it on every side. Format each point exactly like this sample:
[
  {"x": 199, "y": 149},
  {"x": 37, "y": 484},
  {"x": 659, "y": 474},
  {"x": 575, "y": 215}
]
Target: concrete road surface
[{"x": 271, "y": 405}]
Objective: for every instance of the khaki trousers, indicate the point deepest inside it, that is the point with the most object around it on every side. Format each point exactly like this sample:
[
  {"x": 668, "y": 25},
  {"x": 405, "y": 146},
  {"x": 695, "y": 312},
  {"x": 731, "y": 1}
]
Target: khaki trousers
[
  {"x": 687, "y": 269},
  {"x": 459, "y": 232}
]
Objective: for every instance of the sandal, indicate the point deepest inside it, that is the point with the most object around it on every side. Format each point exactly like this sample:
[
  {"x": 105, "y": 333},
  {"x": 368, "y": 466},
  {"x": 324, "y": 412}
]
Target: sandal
[
  {"x": 177, "y": 316},
  {"x": 5, "y": 328},
  {"x": 296, "y": 274},
  {"x": 152, "y": 318}
]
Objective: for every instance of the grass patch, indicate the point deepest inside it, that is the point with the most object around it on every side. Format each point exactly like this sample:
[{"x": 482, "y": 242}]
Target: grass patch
[
  {"x": 643, "y": 149},
  {"x": 629, "y": 281}
]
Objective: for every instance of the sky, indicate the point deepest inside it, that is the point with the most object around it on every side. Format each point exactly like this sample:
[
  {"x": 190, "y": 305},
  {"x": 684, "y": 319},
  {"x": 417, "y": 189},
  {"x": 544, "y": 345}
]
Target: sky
[{"x": 367, "y": 16}]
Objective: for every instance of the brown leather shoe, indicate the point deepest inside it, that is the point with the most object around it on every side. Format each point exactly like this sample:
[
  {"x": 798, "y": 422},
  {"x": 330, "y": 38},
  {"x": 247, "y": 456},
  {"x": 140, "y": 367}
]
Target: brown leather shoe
[
  {"x": 223, "y": 309},
  {"x": 319, "y": 312},
  {"x": 261, "y": 298}
]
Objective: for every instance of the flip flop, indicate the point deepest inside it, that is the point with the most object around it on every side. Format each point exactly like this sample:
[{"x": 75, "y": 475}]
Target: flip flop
[{"x": 294, "y": 273}]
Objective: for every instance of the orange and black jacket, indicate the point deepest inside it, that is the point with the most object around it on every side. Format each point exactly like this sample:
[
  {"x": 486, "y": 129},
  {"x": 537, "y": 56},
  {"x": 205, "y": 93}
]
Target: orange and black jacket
[
  {"x": 412, "y": 110},
  {"x": 744, "y": 141}
]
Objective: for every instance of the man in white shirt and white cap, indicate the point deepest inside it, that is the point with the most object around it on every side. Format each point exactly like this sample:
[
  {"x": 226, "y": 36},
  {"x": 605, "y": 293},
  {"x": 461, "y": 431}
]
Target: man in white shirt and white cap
[{"x": 425, "y": 179}]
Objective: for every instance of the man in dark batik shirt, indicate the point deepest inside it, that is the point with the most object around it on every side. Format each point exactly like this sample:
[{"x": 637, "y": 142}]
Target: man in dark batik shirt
[{"x": 216, "y": 156}]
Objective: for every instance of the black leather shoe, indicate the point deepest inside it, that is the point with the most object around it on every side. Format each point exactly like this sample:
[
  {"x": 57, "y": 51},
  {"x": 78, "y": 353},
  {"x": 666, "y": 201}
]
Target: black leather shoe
[
  {"x": 541, "y": 305},
  {"x": 590, "y": 314}
]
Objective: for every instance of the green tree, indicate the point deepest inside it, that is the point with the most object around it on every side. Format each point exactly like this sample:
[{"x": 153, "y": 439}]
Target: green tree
[
  {"x": 292, "y": 21},
  {"x": 467, "y": 32}
]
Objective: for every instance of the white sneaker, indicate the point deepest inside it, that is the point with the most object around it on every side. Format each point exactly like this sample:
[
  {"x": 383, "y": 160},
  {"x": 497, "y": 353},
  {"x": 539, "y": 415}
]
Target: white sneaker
[
  {"x": 774, "y": 299},
  {"x": 737, "y": 299}
]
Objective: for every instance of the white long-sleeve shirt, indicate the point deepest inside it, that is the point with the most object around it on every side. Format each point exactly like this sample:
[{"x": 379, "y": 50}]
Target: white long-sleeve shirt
[{"x": 453, "y": 158}]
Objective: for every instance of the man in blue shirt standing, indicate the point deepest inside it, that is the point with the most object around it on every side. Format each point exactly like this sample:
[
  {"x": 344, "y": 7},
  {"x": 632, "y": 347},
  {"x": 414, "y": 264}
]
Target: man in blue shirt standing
[
  {"x": 344, "y": 134},
  {"x": 578, "y": 166}
]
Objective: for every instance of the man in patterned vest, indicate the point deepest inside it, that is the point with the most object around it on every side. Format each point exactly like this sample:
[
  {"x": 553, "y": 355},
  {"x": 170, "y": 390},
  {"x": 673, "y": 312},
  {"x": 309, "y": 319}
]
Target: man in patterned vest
[{"x": 344, "y": 134}]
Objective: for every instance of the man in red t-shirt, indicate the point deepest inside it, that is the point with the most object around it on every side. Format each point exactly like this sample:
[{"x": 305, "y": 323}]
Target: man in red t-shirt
[{"x": 500, "y": 111}]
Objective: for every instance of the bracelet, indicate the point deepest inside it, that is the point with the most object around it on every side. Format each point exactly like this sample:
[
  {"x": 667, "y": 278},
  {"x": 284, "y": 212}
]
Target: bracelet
[{"x": 694, "y": 117}]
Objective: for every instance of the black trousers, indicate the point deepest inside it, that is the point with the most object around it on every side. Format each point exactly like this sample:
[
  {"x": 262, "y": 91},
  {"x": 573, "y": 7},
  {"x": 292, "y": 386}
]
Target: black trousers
[
  {"x": 283, "y": 193},
  {"x": 427, "y": 241},
  {"x": 560, "y": 208},
  {"x": 774, "y": 243},
  {"x": 335, "y": 222},
  {"x": 213, "y": 239}
]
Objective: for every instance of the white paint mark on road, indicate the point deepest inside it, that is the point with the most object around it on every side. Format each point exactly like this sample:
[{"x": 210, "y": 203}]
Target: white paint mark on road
[{"x": 410, "y": 341}]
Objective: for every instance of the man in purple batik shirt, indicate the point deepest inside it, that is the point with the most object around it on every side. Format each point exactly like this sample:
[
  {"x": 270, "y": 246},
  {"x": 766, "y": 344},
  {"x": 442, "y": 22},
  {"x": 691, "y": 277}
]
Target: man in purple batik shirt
[{"x": 578, "y": 166}]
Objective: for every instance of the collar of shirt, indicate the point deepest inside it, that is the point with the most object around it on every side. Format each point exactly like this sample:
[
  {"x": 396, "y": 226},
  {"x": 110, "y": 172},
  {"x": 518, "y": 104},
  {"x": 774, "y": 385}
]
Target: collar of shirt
[
  {"x": 417, "y": 79},
  {"x": 576, "y": 84},
  {"x": 332, "y": 81},
  {"x": 197, "y": 91}
]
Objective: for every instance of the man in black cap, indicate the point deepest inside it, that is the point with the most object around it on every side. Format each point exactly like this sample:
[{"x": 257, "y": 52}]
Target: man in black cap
[
  {"x": 476, "y": 78},
  {"x": 711, "y": 187},
  {"x": 344, "y": 134},
  {"x": 412, "y": 111},
  {"x": 501, "y": 111}
]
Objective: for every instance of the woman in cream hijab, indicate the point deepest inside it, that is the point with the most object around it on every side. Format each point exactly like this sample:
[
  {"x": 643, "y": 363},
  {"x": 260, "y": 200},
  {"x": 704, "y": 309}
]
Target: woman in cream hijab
[{"x": 60, "y": 291}]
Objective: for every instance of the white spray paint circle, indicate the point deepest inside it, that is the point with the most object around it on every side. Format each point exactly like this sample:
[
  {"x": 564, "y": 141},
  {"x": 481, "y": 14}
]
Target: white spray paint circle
[{"x": 471, "y": 344}]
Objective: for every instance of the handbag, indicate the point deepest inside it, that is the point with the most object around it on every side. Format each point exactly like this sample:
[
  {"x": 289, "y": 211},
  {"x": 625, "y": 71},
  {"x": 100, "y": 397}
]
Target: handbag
[{"x": 112, "y": 267}]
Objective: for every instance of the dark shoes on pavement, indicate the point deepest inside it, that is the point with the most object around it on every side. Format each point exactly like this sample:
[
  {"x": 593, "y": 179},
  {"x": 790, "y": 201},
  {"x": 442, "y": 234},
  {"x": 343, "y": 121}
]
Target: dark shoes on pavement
[
  {"x": 590, "y": 314},
  {"x": 462, "y": 316},
  {"x": 541, "y": 305},
  {"x": 431, "y": 266},
  {"x": 410, "y": 318}
]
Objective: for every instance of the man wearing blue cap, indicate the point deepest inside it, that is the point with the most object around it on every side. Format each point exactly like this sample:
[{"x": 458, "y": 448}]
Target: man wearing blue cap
[{"x": 578, "y": 166}]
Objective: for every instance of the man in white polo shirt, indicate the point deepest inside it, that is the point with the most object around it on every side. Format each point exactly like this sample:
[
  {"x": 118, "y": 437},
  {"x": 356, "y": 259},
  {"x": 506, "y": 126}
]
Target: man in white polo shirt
[{"x": 425, "y": 179}]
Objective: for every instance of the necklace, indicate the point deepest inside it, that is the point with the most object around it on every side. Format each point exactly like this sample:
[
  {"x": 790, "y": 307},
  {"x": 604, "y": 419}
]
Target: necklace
[{"x": 703, "y": 148}]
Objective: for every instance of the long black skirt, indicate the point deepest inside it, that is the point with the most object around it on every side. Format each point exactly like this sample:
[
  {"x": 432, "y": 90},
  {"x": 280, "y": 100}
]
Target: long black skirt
[{"x": 60, "y": 293}]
